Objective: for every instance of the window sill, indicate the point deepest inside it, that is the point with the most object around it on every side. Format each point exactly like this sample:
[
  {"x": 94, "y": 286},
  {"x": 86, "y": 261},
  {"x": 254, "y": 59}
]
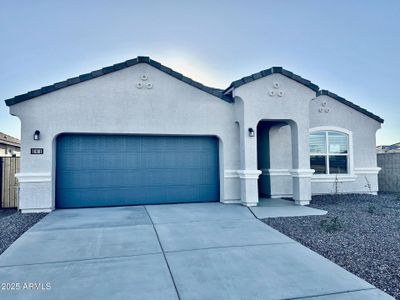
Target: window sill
[{"x": 333, "y": 178}]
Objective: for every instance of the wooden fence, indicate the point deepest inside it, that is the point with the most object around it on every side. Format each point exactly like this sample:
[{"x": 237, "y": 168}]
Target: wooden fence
[{"x": 8, "y": 183}]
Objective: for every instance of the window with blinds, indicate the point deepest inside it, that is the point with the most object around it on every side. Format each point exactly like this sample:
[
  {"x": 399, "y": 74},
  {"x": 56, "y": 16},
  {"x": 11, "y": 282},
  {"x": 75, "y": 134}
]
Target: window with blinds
[{"x": 329, "y": 151}]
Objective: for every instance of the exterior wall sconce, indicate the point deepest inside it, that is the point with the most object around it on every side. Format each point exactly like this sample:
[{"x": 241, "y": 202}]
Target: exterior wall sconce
[
  {"x": 36, "y": 135},
  {"x": 251, "y": 132}
]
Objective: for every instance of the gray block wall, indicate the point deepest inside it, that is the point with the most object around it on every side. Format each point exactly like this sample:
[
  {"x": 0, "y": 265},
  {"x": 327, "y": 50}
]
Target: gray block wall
[{"x": 389, "y": 176}]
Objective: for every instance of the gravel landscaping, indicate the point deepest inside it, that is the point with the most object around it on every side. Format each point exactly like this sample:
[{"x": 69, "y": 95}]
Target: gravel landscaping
[
  {"x": 361, "y": 233},
  {"x": 13, "y": 224}
]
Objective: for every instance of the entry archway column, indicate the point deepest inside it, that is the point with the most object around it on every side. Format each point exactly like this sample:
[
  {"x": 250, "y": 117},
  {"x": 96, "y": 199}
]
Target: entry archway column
[
  {"x": 248, "y": 173},
  {"x": 301, "y": 172}
]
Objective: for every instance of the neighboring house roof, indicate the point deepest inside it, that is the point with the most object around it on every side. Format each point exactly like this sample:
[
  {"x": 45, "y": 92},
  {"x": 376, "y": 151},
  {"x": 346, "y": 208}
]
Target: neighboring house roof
[
  {"x": 389, "y": 148},
  {"x": 225, "y": 95},
  {"x": 270, "y": 71},
  {"x": 351, "y": 104},
  {"x": 395, "y": 146},
  {"x": 9, "y": 140}
]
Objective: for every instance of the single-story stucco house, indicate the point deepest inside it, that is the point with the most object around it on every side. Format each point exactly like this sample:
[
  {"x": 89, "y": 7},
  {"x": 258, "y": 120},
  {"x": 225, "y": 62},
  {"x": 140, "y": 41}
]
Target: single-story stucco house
[{"x": 138, "y": 132}]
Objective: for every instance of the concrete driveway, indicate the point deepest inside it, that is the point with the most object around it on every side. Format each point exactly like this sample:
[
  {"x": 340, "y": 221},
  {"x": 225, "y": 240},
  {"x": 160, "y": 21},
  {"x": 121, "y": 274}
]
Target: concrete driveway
[{"x": 182, "y": 251}]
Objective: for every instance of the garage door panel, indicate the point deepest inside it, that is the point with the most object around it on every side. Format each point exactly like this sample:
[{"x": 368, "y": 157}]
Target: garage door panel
[
  {"x": 153, "y": 144},
  {"x": 172, "y": 194},
  {"x": 147, "y": 160},
  {"x": 123, "y": 196},
  {"x": 132, "y": 145},
  {"x": 99, "y": 161},
  {"x": 182, "y": 159},
  {"x": 98, "y": 144},
  {"x": 106, "y": 170},
  {"x": 76, "y": 197},
  {"x": 205, "y": 191},
  {"x": 98, "y": 179},
  {"x": 93, "y": 197},
  {"x": 115, "y": 178},
  {"x": 73, "y": 161},
  {"x": 183, "y": 194},
  {"x": 124, "y": 161},
  {"x": 162, "y": 177},
  {"x": 176, "y": 159}
]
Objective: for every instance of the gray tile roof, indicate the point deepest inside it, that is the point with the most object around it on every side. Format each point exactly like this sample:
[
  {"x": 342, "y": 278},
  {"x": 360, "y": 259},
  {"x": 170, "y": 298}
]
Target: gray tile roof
[
  {"x": 225, "y": 95},
  {"x": 270, "y": 71},
  {"x": 140, "y": 59}
]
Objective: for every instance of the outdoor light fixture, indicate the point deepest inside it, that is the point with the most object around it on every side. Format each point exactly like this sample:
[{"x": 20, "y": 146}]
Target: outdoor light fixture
[
  {"x": 36, "y": 135},
  {"x": 251, "y": 132}
]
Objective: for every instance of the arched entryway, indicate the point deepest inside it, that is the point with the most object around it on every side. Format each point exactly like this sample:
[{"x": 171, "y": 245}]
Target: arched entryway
[{"x": 283, "y": 159}]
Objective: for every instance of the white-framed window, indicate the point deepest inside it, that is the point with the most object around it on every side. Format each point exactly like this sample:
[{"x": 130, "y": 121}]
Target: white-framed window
[{"x": 330, "y": 152}]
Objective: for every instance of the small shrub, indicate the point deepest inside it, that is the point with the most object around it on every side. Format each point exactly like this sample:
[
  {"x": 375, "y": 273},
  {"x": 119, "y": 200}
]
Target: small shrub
[
  {"x": 372, "y": 209},
  {"x": 368, "y": 184},
  {"x": 331, "y": 225},
  {"x": 336, "y": 186}
]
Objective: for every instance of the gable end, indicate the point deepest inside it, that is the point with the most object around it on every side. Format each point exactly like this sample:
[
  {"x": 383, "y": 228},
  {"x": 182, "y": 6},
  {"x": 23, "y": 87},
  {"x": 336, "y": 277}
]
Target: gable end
[
  {"x": 116, "y": 67},
  {"x": 350, "y": 104},
  {"x": 267, "y": 72}
]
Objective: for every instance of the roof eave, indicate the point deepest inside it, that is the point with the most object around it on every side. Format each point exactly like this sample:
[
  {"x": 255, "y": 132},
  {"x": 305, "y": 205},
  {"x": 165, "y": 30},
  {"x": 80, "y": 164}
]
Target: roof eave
[
  {"x": 350, "y": 104},
  {"x": 116, "y": 67},
  {"x": 267, "y": 72},
  {"x": 10, "y": 143}
]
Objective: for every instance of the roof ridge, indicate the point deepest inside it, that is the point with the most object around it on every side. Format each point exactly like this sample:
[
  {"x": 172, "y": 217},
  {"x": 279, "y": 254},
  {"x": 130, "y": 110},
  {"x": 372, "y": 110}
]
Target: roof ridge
[
  {"x": 299, "y": 79},
  {"x": 270, "y": 71},
  {"x": 224, "y": 94}
]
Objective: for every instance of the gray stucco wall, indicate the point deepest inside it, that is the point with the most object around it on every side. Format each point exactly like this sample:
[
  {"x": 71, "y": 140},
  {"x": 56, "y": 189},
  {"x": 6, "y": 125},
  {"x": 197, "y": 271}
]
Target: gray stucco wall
[
  {"x": 363, "y": 170},
  {"x": 361, "y": 129},
  {"x": 278, "y": 98},
  {"x": 389, "y": 176},
  {"x": 113, "y": 104}
]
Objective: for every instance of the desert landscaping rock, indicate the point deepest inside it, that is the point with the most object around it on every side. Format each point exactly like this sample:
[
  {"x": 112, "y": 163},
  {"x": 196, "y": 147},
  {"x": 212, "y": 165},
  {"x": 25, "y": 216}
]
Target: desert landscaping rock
[
  {"x": 13, "y": 224},
  {"x": 364, "y": 238}
]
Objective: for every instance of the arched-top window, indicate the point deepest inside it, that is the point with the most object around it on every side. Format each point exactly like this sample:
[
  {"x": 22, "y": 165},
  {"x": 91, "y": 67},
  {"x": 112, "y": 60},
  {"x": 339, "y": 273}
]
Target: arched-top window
[{"x": 329, "y": 152}]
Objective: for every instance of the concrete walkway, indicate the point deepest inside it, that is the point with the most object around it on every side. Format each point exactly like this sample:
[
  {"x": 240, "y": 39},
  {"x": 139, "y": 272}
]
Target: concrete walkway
[
  {"x": 182, "y": 251},
  {"x": 274, "y": 208}
]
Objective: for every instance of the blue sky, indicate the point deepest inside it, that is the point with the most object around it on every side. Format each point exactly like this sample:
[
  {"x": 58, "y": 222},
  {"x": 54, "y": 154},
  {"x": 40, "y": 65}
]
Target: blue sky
[{"x": 351, "y": 48}]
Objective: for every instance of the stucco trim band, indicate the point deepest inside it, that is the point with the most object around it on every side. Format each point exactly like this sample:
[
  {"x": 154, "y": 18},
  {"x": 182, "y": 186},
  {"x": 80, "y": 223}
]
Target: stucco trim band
[
  {"x": 276, "y": 172},
  {"x": 36, "y": 210},
  {"x": 363, "y": 171},
  {"x": 249, "y": 174},
  {"x": 232, "y": 201},
  {"x": 33, "y": 177},
  {"x": 231, "y": 174},
  {"x": 333, "y": 178},
  {"x": 302, "y": 173}
]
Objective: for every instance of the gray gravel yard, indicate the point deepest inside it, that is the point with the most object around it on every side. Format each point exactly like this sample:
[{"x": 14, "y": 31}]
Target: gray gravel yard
[
  {"x": 13, "y": 224},
  {"x": 361, "y": 233}
]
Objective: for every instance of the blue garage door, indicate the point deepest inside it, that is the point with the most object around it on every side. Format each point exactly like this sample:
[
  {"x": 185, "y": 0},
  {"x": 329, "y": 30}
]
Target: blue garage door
[{"x": 112, "y": 170}]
